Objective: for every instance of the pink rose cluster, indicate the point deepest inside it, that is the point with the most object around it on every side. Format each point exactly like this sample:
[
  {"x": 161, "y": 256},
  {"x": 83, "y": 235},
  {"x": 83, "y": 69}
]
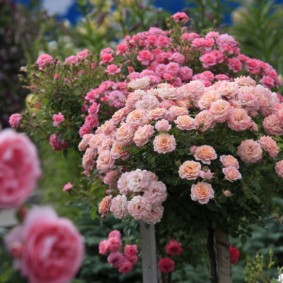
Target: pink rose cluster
[
  {"x": 166, "y": 264},
  {"x": 124, "y": 261},
  {"x": 141, "y": 196},
  {"x": 19, "y": 168},
  {"x": 46, "y": 248}
]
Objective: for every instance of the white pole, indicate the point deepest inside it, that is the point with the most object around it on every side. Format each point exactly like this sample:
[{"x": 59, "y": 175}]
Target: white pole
[{"x": 149, "y": 268}]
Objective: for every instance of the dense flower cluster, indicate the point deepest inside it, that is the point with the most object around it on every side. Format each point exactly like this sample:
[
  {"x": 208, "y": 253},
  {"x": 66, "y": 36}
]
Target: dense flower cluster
[
  {"x": 123, "y": 261},
  {"x": 146, "y": 195},
  {"x": 46, "y": 248}
]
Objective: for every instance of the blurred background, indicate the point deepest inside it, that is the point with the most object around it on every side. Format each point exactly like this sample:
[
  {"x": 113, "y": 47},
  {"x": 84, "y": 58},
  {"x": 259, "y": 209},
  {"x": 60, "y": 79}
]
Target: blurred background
[{"x": 62, "y": 28}]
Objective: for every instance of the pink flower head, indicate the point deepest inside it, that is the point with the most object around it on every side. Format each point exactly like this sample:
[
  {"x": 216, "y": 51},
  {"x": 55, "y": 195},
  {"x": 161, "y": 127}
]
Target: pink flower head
[
  {"x": 231, "y": 173},
  {"x": 56, "y": 143},
  {"x": 205, "y": 154},
  {"x": 164, "y": 143},
  {"x": 166, "y": 265},
  {"x": 279, "y": 168},
  {"x": 180, "y": 17},
  {"x": 126, "y": 266},
  {"x": 173, "y": 248},
  {"x": 143, "y": 134},
  {"x": 43, "y": 234},
  {"x": 67, "y": 187},
  {"x": 57, "y": 119},
  {"x": 269, "y": 145},
  {"x": 229, "y": 160},
  {"x": 163, "y": 125},
  {"x": 202, "y": 192},
  {"x": 103, "y": 247},
  {"x": 115, "y": 244},
  {"x": 145, "y": 57},
  {"x": 234, "y": 255},
  {"x": 116, "y": 259},
  {"x": 19, "y": 168},
  {"x": 130, "y": 251},
  {"x": 250, "y": 151},
  {"x": 139, "y": 207},
  {"x": 15, "y": 120},
  {"x": 112, "y": 69},
  {"x": 43, "y": 60},
  {"x": 114, "y": 234},
  {"x": 119, "y": 206},
  {"x": 190, "y": 170}
]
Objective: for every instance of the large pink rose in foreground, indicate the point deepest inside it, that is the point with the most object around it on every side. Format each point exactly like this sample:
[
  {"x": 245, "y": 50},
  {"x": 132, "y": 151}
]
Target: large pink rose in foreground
[
  {"x": 19, "y": 168},
  {"x": 49, "y": 248}
]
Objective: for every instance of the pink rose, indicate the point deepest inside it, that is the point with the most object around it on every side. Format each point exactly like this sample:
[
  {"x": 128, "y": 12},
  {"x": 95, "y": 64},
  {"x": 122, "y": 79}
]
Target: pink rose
[
  {"x": 139, "y": 207},
  {"x": 272, "y": 125},
  {"x": 231, "y": 173},
  {"x": 269, "y": 145},
  {"x": 163, "y": 126},
  {"x": 189, "y": 170},
  {"x": 57, "y": 119},
  {"x": 67, "y": 187},
  {"x": 19, "y": 168},
  {"x": 205, "y": 154},
  {"x": 164, "y": 143},
  {"x": 143, "y": 134},
  {"x": 43, "y": 234},
  {"x": 166, "y": 265},
  {"x": 185, "y": 122},
  {"x": 56, "y": 143},
  {"x": 103, "y": 247},
  {"x": 126, "y": 266},
  {"x": 43, "y": 60},
  {"x": 104, "y": 161},
  {"x": 180, "y": 17},
  {"x": 202, "y": 192},
  {"x": 204, "y": 120},
  {"x": 15, "y": 120},
  {"x": 229, "y": 160},
  {"x": 116, "y": 259},
  {"x": 119, "y": 206},
  {"x": 124, "y": 134},
  {"x": 220, "y": 110},
  {"x": 173, "y": 248},
  {"x": 279, "y": 168},
  {"x": 239, "y": 120},
  {"x": 250, "y": 151}
]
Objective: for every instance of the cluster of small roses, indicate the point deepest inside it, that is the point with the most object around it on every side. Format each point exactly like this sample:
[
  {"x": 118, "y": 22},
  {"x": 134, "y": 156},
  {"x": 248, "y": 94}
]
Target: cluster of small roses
[
  {"x": 111, "y": 247},
  {"x": 147, "y": 195},
  {"x": 166, "y": 264}
]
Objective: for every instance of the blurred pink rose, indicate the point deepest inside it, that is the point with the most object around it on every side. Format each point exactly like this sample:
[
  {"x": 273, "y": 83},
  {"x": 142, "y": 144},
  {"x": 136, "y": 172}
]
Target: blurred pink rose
[
  {"x": 43, "y": 60},
  {"x": 53, "y": 248},
  {"x": 19, "y": 168},
  {"x": 15, "y": 120}
]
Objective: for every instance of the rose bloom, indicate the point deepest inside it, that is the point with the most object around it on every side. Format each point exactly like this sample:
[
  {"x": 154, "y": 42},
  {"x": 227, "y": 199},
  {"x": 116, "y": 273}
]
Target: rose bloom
[
  {"x": 119, "y": 206},
  {"x": 272, "y": 125},
  {"x": 137, "y": 118},
  {"x": 124, "y": 134},
  {"x": 189, "y": 170},
  {"x": 103, "y": 247},
  {"x": 173, "y": 248},
  {"x": 143, "y": 134},
  {"x": 239, "y": 120},
  {"x": 166, "y": 265},
  {"x": 279, "y": 168},
  {"x": 57, "y": 119},
  {"x": 104, "y": 206},
  {"x": 202, "y": 192},
  {"x": 139, "y": 207},
  {"x": 84, "y": 142},
  {"x": 250, "y": 151},
  {"x": 185, "y": 122},
  {"x": 15, "y": 120},
  {"x": 204, "y": 120},
  {"x": 220, "y": 110},
  {"x": 163, "y": 126},
  {"x": 141, "y": 83},
  {"x": 269, "y": 145},
  {"x": 116, "y": 259},
  {"x": 205, "y": 154},
  {"x": 126, "y": 266},
  {"x": 19, "y": 168},
  {"x": 234, "y": 254},
  {"x": 164, "y": 143},
  {"x": 231, "y": 173},
  {"x": 67, "y": 187},
  {"x": 229, "y": 160},
  {"x": 43, "y": 60},
  {"x": 53, "y": 248},
  {"x": 104, "y": 161}
]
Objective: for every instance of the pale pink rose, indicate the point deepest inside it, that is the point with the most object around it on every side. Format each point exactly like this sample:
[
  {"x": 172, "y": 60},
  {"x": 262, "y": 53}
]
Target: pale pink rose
[
  {"x": 157, "y": 113},
  {"x": 104, "y": 206},
  {"x": 231, "y": 173},
  {"x": 103, "y": 247},
  {"x": 163, "y": 126},
  {"x": 167, "y": 92},
  {"x": 124, "y": 134},
  {"x": 118, "y": 151},
  {"x": 140, "y": 83},
  {"x": 106, "y": 144},
  {"x": 116, "y": 259},
  {"x": 156, "y": 193},
  {"x": 120, "y": 115},
  {"x": 143, "y": 134},
  {"x": 147, "y": 102},
  {"x": 207, "y": 99},
  {"x": 250, "y": 151},
  {"x": 226, "y": 89},
  {"x": 95, "y": 141},
  {"x": 279, "y": 168},
  {"x": 119, "y": 206},
  {"x": 205, "y": 154},
  {"x": 15, "y": 120},
  {"x": 139, "y": 207},
  {"x": 137, "y": 118},
  {"x": 239, "y": 120},
  {"x": 204, "y": 120},
  {"x": 43, "y": 60},
  {"x": 175, "y": 111},
  {"x": 84, "y": 142},
  {"x": 155, "y": 215},
  {"x": 272, "y": 125},
  {"x": 88, "y": 161},
  {"x": 43, "y": 234},
  {"x": 220, "y": 110},
  {"x": 104, "y": 161},
  {"x": 206, "y": 175},
  {"x": 269, "y": 145},
  {"x": 164, "y": 143},
  {"x": 185, "y": 122},
  {"x": 107, "y": 128},
  {"x": 19, "y": 168},
  {"x": 245, "y": 81},
  {"x": 67, "y": 187},
  {"x": 58, "y": 119},
  {"x": 229, "y": 160},
  {"x": 111, "y": 178},
  {"x": 193, "y": 90},
  {"x": 202, "y": 192},
  {"x": 189, "y": 170}
]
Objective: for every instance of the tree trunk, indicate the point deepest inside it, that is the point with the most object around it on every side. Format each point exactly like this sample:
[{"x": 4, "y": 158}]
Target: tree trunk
[
  {"x": 223, "y": 257},
  {"x": 148, "y": 245},
  {"x": 211, "y": 256}
]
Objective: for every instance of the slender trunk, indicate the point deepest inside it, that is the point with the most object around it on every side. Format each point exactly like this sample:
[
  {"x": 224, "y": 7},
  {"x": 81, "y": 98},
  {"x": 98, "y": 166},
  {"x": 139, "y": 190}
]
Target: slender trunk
[
  {"x": 148, "y": 244},
  {"x": 223, "y": 257},
  {"x": 211, "y": 256}
]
